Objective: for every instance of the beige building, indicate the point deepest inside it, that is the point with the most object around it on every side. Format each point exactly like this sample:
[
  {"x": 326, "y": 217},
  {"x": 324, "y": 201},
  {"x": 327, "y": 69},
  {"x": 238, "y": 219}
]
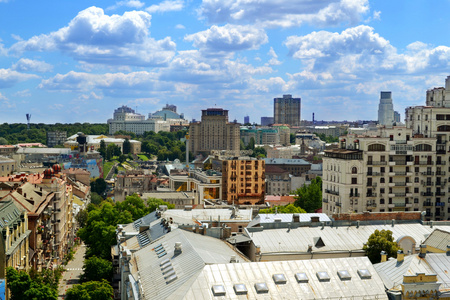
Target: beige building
[
  {"x": 133, "y": 182},
  {"x": 243, "y": 181},
  {"x": 286, "y": 110},
  {"x": 7, "y": 166},
  {"x": 214, "y": 132}
]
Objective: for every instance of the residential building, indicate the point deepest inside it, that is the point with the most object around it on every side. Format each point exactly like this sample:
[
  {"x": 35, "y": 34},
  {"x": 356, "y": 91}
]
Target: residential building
[
  {"x": 287, "y": 110},
  {"x": 8, "y": 150},
  {"x": 214, "y": 132},
  {"x": 267, "y": 121},
  {"x": 131, "y": 182},
  {"x": 278, "y": 181},
  {"x": 89, "y": 143},
  {"x": 296, "y": 167},
  {"x": 243, "y": 181},
  {"x": 284, "y": 132},
  {"x": 261, "y": 136},
  {"x": 7, "y": 166},
  {"x": 55, "y": 138},
  {"x": 386, "y": 109}
]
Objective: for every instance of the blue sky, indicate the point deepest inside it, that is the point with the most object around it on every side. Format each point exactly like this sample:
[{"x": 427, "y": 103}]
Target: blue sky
[{"x": 76, "y": 61}]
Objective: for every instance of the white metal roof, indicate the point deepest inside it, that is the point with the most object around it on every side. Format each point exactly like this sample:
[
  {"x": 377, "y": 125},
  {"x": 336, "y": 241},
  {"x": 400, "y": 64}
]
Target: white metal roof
[
  {"x": 249, "y": 274},
  {"x": 343, "y": 238}
]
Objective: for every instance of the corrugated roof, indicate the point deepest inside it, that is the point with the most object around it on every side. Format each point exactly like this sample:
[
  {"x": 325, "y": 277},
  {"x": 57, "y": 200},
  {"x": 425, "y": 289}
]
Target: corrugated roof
[
  {"x": 197, "y": 251},
  {"x": 343, "y": 238},
  {"x": 438, "y": 239},
  {"x": 181, "y": 216},
  {"x": 249, "y": 274}
]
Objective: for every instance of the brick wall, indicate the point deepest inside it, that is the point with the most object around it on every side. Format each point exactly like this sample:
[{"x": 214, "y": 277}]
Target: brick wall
[{"x": 378, "y": 216}]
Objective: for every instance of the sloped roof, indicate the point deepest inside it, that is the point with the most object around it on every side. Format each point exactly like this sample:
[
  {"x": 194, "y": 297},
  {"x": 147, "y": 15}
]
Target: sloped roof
[
  {"x": 287, "y": 218},
  {"x": 438, "y": 239},
  {"x": 250, "y": 274}
]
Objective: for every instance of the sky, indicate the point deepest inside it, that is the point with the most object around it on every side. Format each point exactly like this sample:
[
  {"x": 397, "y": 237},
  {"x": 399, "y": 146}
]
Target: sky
[{"x": 76, "y": 61}]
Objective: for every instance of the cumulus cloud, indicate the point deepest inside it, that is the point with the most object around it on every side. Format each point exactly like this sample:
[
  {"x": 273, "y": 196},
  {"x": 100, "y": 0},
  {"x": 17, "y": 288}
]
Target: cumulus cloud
[
  {"x": 23, "y": 93},
  {"x": 359, "y": 51},
  {"x": 97, "y": 38},
  {"x": 129, "y": 3},
  {"x": 27, "y": 65},
  {"x": 284, "y": 13},
  {"x": 180, "y": 26},
  {"x": 165, "y": 6},
  {"x": 9, "y": 78},
  {"x": 228, "y": 38},
  {"x": 274, "y": 58}
]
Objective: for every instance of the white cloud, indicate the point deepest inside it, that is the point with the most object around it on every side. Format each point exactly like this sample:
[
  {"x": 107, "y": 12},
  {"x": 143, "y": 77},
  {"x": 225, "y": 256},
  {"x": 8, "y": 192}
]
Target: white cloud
[
  {"x": 284, "y": 13},
  {"x": 128, "y": 3},
  {"x": 9, "y": 78},
  {"x": 274, "y": 58},
  {"x": 180, "y": 26},
  {"x": 228, "y": 38},
  {"x": 96, "y": 38},
  {"x": 27, "y": 65},
  {"x": 23, "y": 93},
  {"x": 165, "y": 6}
]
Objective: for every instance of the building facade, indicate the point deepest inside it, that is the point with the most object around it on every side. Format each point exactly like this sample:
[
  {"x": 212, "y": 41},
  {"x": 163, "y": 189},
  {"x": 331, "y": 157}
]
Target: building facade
[
  {"x": 287, "y": 110},
  {"x": 266, "y": 121},
  {"x": 243, "y": 181},
  {"x": 386, "y": 109},
  {"x": 55, "y": 138},
  {"x": 214, "y": 132}
]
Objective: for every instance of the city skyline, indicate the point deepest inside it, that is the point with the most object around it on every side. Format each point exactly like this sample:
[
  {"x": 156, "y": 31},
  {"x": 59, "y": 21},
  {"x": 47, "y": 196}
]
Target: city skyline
[{"x": 77, "y": 62}]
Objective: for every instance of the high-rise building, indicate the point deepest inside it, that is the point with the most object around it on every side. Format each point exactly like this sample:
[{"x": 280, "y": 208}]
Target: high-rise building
[
  {"x": 386, "y": 109},
  {"x": 214, "y": 132},
  {"x": 55, "y": 138},
  {"x": 246, "y": 119},
  {"x": 287, "y": 110},
  {"x": 398, "y": 169},
  {"x": 266, "y": 121},
  {"x": 396, "y": 117}
]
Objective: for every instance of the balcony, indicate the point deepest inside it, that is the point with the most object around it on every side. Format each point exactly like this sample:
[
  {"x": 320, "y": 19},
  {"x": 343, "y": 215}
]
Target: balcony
[
  {"x": 400, "y": 204},
  {"x": 441, "y": 183},
  {"x": 339, "y": 204},
  {"x": 429, "y": 214},
  {"x": 371, "y": 195},
  {"x": 377, "y": 163},
  {"x": 355, "y": 194},
  {"x": 372, "y": 184},
  {"x": 423, "y": 162},
  {"x": 399, "y": 194},
  {"x": 427, "y": 183},
  {"x": 325, "y": 200},
  {"x": 332, "y": 192},
  {"x": 441, "y": 163},
  {"x": 440, "y": 194},
  {"x": 374, "y": 174},
  {"x": 428, "y": 194},
  {"x": 401, "y": 183},
  {"x": 441, "y": 142},
  {"x": 371, "y": 204},
  {"x": 427, "y": 173},
  {"x": 441, "y": 173},
  {"x": 398, "y": 173},
  {"x": 428, "y": 203},
  {"x": 440, "y": 203}
]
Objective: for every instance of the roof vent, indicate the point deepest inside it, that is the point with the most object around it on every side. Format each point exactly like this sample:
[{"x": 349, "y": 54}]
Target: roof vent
[
  {"x": 277, "y": 220},
  {"x": 218, "y": 290},
  {"x": 177, "y": 248},
  {"x": 233, "y": 259},
  {"x": 279, "y": 278},
  {"x": 240, "y": 289},
  {"x": 171, "y": 278},
  {"x": 301, "y": 277},
  {"x": 261, "y": 288}
]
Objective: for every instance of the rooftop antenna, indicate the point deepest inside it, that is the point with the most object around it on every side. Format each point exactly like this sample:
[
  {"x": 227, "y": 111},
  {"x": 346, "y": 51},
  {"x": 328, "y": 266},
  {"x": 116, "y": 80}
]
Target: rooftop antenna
[{"x": 28, "y": 120}]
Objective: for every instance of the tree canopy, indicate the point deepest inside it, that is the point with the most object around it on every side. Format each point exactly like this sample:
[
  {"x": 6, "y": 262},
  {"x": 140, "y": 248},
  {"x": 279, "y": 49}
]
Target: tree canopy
[
  {"x": 380, "y": 241},
  {"x": 96, "y": 268},
  {"x": 286, "y": 209},
  {"x": 309, "y": 197},
  {"x": 23, "y": 287},
  {"x": 91, "y": 290}
]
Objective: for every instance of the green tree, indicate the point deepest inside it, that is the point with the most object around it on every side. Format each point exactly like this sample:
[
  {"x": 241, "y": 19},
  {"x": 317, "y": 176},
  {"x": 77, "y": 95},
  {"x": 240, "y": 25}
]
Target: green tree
[
  {"x": 286, "y": 209},
  {"x": 309, "y": 197},
  {"x": 98, "y": 186},
  {"x": 126, "y": 146},
  {"x": 95, "y": 268},
  {"x": 91, "y": 290},
  {"x": 96, "y": 198},
  {"x": 3, "y": 141},
  {"x": 134, "y": 205},
  {"x": 122, "y": 158},
  {"x": 102, "y": 149},
  {"x": 380, "y": 241},
  {"x": 251, "y": 144},
  {"x": 22, "y": 287},
  {"x": 259, "y": 152},
  {"x": 82, "y": 217},
  {"x": 292, "y": 138},
  {"x": 242, "y": 145}
]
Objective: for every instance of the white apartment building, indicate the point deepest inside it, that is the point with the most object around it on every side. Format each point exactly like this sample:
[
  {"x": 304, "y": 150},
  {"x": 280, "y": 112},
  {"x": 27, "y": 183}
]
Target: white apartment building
[{"x": 399, "y": 169}]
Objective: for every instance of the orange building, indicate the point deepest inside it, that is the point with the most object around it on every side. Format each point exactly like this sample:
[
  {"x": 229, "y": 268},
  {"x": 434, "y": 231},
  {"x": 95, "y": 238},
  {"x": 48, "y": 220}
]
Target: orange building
[{"x": 243, "y": 181}]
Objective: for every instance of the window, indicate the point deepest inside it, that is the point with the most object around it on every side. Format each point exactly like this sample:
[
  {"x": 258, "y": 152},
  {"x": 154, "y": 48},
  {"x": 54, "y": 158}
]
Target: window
[
  {"x": 381, "y": 190},
  {"x": 382, "y": 180},
  {"x": 382, "y": 169},
  {"x": 416, "y": 179},
  {"x": 354, "y": 180},
  {"x": 416, "y": 200},
  {"x": 381, "y": 201},
  {"x": 354, "y": 170},
  {"x": 416, "y": 190}
]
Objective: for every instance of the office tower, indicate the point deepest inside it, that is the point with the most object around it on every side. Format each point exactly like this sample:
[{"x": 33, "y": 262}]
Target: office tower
[
  {"x": 214, "y": 132},
  {"x": 246, "y": 119},
  {"x": 396, "y": 117},
  {"x": 287, "y": 110},
  {"x": 266, "y": 121},
  {"x": 386, "y": 109}
]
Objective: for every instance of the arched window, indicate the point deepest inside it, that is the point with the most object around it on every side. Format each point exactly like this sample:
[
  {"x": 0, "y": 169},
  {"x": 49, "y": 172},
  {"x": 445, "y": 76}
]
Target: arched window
[
  {"x": 354, "y": 170},
  {"x": 377, "y": 147},
  {"x": 422, "y": 147},
  {"x": 443, "y": 128}
]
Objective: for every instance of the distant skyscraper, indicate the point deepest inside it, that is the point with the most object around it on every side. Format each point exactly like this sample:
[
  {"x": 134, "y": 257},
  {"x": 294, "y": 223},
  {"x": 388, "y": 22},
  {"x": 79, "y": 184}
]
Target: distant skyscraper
[
  {"x": 266, "y": 121},
  {"x": 386, "y": 109},
  {"x": 286, "y": 110},
  {"x": 246, "y": 119},
  {"x": 396, "y": 117}
]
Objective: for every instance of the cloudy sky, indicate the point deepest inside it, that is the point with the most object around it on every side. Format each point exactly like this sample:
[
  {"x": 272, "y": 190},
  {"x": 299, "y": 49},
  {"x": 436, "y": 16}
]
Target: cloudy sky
[{"x": 76, "y": 61}]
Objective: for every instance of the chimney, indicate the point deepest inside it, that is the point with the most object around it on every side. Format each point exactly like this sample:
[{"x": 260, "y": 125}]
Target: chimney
[
  {"x": 393, "y": 222},
  {"x": 296, "y": 218},
  {"x": 309, "y": 248},
  {"x": 448, "y": 250},
  {"x": 431, "y": 224},
  {"x": 233, "y": 259},
  {"x": 383, "y": 256},
  {"x": 177, "y": 248},
  {"x": 423, "y": 251},
  {"x": 357, "y": 223},
  {"x": 400, "y": 256}
]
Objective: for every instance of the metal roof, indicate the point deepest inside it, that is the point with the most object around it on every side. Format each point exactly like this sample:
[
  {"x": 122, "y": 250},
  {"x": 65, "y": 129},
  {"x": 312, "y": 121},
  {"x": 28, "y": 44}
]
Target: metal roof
[
  {"x": 241, "y": 280},
  {"x": 270, "y": 218},
  {"x": 182, "y": 216},
  {"x": 342, "y": 238},
  {"x": 197, "y": 251},
  {"x": 286, "y": 161},
  {"x": 438, "y": 239}
]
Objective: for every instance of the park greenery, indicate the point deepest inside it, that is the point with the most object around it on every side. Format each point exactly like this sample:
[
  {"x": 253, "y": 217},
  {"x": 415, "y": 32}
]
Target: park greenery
[
  {"x": 91, "y": 290},
  {"x": 33, "y": 285},
  {"x": 309, "y": 197},
  {"x": 286, "y": 209},
  {"x": 380, "y": 240},
  {"x": 95, "y": 269},
  {"x": 327, "y": 139}
]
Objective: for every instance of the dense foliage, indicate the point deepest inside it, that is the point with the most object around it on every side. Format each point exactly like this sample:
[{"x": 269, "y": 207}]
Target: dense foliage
[
  {"x": 165, "y": 145},
  {"x": 43, "y": 286},
  {"x": 327, "y": 139},
  {"x": 309, "y": 197},
  {"x": 95, "y": 268},
  {"x": 380, "y": 241},
  {"x": 286, "y": 209},
  {"x": 91, "y": 290},
  {"x": 18, "y": 133}
]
